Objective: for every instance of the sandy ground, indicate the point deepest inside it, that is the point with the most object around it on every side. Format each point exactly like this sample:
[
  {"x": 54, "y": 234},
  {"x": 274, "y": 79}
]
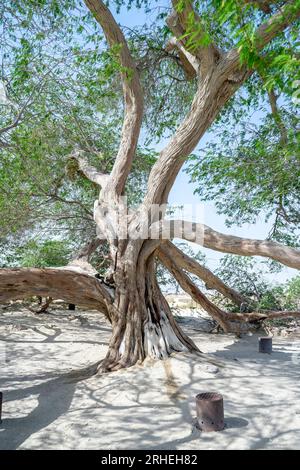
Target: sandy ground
[{"x": 48, "y": 406}]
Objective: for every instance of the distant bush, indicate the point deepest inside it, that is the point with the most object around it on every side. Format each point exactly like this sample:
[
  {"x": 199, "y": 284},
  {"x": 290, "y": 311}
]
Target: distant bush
[{"x": 40, "y": 255}]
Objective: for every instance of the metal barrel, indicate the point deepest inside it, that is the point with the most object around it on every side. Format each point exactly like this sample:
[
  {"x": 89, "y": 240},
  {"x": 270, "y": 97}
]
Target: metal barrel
[
  {"x": 265, "y": 344},
  {"x": 210, "y": 411}
]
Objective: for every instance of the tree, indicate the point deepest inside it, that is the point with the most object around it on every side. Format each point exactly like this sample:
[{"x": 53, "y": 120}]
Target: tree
[
  {"x": 248, "y": 277},
  {"x": 142, "y": 323}
]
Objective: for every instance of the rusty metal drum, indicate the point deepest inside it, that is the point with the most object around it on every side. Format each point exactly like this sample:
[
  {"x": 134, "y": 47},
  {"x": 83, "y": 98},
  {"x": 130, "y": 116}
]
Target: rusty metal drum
[{"x": 210, "y": 411}]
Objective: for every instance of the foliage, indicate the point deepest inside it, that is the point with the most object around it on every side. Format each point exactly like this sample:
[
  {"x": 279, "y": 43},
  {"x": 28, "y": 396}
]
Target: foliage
[
  {"x": 61, "y": 90},
  {"x": 62, "y": 84},
  {"x": 248, "y": 171},
  {"x": 33, "y": 253},
  {"x": 293, "y": 293},
  {"x": 249, "y": 278},
  {"x": 51, "y": 253}
]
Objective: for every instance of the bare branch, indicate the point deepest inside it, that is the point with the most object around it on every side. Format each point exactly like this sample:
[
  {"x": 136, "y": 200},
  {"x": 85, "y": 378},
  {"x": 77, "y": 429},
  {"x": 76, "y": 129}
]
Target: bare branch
[
  {"x": 227, "y": 320},
  {"x": 133, "y": 96},
  {"x": 187, "y": 284},
  {"x": 88, "y": 170},
  {"x": 261, "y": 316},
  {"x": 212, "y": 94},
  {"x": 188, "y": 62},
  {"x": 248, "y": 247},
  {"x": 209, "y": 238},
  {"x": 211, "y": 280}
]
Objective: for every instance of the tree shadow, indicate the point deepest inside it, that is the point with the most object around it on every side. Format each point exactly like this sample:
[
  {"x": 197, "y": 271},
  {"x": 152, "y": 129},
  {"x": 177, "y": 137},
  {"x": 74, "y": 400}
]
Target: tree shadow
[
  {"x": 54, "y": 399},
  {"x": 153, "y": 406}
]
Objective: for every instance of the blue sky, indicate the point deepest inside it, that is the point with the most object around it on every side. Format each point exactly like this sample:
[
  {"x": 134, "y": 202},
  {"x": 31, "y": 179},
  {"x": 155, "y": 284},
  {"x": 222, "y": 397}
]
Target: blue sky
[{"x": 183, "y": 191}]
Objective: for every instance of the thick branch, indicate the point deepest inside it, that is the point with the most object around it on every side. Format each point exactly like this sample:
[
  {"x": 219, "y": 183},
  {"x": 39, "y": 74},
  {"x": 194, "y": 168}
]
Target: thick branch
[
  {"x": 133, "y": 96},
  {"x": 248, "y": 247},
  {"x": 264, "y": 5},
  {"x": 88, "y": 170},
  {"x": 289, "y": 13},
  {"x": 187, "y": 284},
  {"x": 213, "y": 92},
  {"x": 69, "y": 284},
  {"x": 188, "y": 62},
  {"x": 225, "y": 319},
  {"x": 189, "y": 264},
  {"x": 209, "y": 238},
  {"x": 261, "y": 316}
]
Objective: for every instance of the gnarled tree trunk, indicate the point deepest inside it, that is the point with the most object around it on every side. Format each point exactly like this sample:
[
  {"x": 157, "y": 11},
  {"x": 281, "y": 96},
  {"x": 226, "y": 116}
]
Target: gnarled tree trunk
[{"x": 142, "y": 322}]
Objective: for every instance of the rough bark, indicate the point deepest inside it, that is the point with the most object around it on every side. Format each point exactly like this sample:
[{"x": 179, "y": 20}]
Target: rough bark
[
  {"x": 69, "y": 285},
  {"x": 142, "y": 323},
  {"x": 133, "y": 96},
  {"x": 219, "y": 83},
  {"x": 228, "y": 321}
]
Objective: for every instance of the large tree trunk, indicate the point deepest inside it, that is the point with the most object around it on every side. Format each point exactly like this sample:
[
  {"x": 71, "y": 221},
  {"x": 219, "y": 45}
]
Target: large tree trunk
[{"x": 142, "y": 322}]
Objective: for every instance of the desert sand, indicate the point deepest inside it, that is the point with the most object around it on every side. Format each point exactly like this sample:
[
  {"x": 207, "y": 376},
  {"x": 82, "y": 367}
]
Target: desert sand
[{"x": 51, "y": 400}]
